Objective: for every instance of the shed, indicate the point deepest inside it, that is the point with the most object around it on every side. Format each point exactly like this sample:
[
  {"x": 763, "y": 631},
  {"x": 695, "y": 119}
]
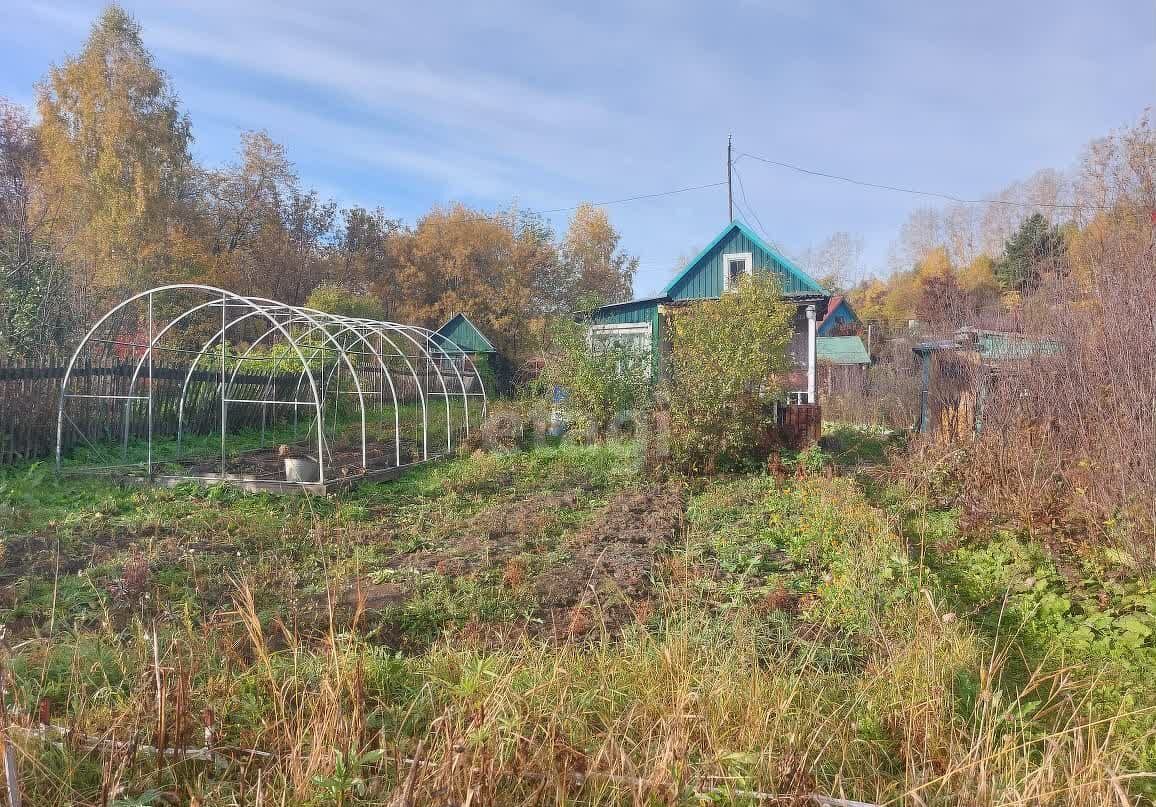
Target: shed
[
  {"x": 842, "y": 364},
  {"x": 957, "y": 375},
  {"x": 841, "y": 350},
  {"x": 841, "y": 319},
  {"x": 463, "y": 333}
]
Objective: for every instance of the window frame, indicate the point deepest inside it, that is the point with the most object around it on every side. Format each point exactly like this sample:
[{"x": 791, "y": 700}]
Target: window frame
[
  {"x": 746, "y": 257},
  {"x": 629, "y": 329}
]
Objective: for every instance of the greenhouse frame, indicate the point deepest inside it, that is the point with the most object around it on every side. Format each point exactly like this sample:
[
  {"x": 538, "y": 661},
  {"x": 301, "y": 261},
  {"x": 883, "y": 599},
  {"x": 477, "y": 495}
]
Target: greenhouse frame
[{"x": 190, "y": 382}]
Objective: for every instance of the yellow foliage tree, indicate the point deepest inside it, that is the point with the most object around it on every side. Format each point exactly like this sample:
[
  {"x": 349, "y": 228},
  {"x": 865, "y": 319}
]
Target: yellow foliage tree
[
  {"x": 590, "y": 255},
  {"x": 459, "y": 260},
  {"x": 115, "y": 154}
]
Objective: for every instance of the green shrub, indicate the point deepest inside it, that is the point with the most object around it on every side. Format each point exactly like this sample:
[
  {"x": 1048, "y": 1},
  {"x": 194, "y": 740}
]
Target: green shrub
[
  {"x": 601, "y": 381},
  {"x": 725, "y": 356}
]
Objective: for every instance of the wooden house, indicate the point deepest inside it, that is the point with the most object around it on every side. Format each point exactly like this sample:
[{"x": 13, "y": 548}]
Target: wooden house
[{"x": 734, "y": 252}]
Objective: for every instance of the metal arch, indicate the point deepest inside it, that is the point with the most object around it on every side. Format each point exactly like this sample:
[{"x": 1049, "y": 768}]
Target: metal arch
[
  {"x": 302, "y": 314},
  {"x": 461, "y": 382},
  {"x": 270, "y": 313},
  {"x": 372, "y": 327},
  {"x": 152, "y": 346},
  {"x": 349, "y": 326},
  {"x": 319, "y": 405},
  {"x": 473, "y": 366},
  {"x": 281, "y": 308},
  {"x": 422, "y": 395},
  {"x": 380, "y": 328},
  {"x": 404, "y": 330},
  {"x": 344, "y": 354},
  {"x": 377, "y": 327},
  {"x": 295, "y": 324},
  {"x": 225, "y": 295}
]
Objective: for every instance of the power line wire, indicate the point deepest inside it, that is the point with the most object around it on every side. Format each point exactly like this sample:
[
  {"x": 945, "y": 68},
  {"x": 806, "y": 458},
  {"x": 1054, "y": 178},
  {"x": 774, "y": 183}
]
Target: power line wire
[
  {"x": 636, "y": 198},
  {"x": 900, "y": 189},
  {"x": 751, "y": 208}
]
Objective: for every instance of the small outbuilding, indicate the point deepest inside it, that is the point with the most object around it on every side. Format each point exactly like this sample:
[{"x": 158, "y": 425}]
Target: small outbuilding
[
  {"x": 466, "y": 335},
  {"x": 842, "y": 364},
  {"x": 469, "y": 338},
  {"x": 960, "y": 374},
  {"x": 841, "y": 319}
]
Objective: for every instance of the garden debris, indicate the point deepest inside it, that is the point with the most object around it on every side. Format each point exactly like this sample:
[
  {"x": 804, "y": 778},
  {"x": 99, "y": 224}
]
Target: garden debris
[{"x": 504, "y": 430}]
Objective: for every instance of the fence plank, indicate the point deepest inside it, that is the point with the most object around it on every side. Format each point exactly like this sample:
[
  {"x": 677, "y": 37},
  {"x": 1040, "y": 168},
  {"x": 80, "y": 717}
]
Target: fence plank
[{"x": 30, "y": 390}]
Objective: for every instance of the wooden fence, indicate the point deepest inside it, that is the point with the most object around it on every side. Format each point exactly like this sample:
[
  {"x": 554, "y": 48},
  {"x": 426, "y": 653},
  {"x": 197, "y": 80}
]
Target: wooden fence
[{"x": 30, "y": 393}]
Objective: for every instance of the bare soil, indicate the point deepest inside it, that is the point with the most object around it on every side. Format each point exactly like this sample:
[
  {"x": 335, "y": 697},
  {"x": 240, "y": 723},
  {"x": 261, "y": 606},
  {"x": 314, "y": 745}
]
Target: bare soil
[{"x": 613, "y": 564}]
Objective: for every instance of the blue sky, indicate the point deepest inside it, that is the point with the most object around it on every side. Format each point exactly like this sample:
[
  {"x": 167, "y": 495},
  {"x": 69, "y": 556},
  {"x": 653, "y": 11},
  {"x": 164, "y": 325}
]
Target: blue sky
[{"x": 405, "y": 105}]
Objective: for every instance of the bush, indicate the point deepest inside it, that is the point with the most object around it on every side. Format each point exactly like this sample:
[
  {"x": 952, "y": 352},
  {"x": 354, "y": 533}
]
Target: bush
[
  {"x": 601, "y": 382},
  {"x": 725, "y": 356}
]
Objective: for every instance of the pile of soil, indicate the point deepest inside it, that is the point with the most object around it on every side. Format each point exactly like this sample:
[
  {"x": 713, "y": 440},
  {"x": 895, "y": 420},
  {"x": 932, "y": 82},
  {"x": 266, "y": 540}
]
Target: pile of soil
[{"x": 613, "y": 565}]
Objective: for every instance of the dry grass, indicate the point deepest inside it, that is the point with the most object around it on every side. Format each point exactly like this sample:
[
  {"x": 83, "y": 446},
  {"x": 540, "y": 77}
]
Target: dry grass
[{"x": 700, "y": 696}]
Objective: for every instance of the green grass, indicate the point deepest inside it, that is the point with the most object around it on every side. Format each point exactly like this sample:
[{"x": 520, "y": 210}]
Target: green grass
[
  {"x": 798, "y": 637},
  {"x": 341, "y": 429}
]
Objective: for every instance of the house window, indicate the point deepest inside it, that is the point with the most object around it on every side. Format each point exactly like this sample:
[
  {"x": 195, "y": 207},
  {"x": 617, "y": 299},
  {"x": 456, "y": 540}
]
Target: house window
[
  {"x": 633, "y": 338},
  {"x": 735, "y": 265}
]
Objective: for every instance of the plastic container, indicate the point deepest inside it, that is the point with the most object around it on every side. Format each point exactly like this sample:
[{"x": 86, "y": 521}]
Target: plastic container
[{"x": 302, "y": 469}]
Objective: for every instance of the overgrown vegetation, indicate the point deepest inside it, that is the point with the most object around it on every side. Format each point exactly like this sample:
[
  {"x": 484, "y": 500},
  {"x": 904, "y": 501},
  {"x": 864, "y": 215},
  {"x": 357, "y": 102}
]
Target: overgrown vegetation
[
  {"x": 548, "y": 625},
  {"x": 595, "y": 383},
  {"x": 723, "y": 375}
]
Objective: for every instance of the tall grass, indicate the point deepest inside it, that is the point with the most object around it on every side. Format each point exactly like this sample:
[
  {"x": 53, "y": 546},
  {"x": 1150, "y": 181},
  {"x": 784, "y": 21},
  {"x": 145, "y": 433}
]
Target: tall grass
[{"x": 869, "y": 690}]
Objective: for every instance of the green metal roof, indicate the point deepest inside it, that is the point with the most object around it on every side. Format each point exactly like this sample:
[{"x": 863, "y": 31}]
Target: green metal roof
[
  {"x": 1000, "y": 346},
  {"x": 841, "y": 350}
]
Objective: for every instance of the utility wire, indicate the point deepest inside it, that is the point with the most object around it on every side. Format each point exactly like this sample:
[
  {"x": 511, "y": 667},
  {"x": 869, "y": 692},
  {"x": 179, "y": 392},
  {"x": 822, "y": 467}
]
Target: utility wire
[
  {"x": 900, "y": 189},
  {"x": 636, "y": 198},
  {"x": 751, "y": 208}
]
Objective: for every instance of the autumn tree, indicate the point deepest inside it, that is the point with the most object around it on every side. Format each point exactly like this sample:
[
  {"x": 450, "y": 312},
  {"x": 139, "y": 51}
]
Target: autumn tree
[
  {"x": 979, "y": 283},
  {"x": 593, "y": 268},
  {"x": 941, "y": 301},
  {"x": 363, "y": 255},
  {"x": 264, "y": 233},
  {"x": 35, "y": 307},
  {"x": 115, "y": 154},
  {"x": 460, "y": 260}
]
